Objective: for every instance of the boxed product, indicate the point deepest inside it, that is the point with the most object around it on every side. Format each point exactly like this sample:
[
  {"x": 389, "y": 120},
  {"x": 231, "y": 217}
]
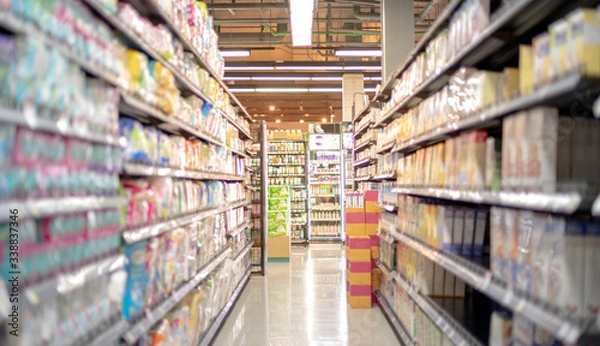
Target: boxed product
[
  {"x": 525, "y": 69},
  {"x": 592, "y": 270},
  {"x": 500, "y": 330},
  {"x": 541, "y": 59},
  {"x": 583, "y": 47},
  {"x": 566, "y": 280},
  {"x": 560, "y": 35}
]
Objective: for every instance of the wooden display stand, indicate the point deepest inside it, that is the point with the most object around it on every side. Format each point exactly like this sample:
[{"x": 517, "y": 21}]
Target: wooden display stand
[{"x": 278, "y": 249}]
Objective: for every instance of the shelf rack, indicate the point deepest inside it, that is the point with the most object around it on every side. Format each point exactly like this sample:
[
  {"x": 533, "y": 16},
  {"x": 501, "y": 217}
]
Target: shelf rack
[
  {"x": 364, "y": 111},
  {"x": 28, "y": 119},
  {"x": 151, "y": 317},
  {"x": 239, "y": 229},
  {"x": 136, "y": 234},
  {"x": 243, "y": 251},
  {"x": 517, "y": 17},
  {"x": 569, "y": 330},
  {"x": 555, "y": 93},
  {"x": 365, "y": 162},
  {"x": 386, "y": 148},
  {"x": 42, "y": 207},
  {"x": 207, "y": 337},
  {"x": 385, "y": 177},
  {"x": 363, "y": 145},
  {"x": 442, "y": 320},
  {"x": 394, "y": 321},
  {"x": 363, "y": 129},
  {"x": 560, "y": 203},
  {"x": 137, "y": 169}
]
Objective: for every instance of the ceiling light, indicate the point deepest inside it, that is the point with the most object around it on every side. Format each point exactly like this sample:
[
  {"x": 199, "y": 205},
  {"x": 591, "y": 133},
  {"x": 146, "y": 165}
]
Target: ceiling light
[
  {"x": 310, "y": 68},
  {"x": 236, "y": 78},
  {"x": 245, "y": 68},
  {"x": 281, "y": 90},
  {"x": 327, "y": 79},
  {"x": 301, "y": 19},
  {"x": 376, "y": 78},
  {"x": 325, "y": 90},
  {"x": 280, "y": 78},
  {"x": 357, "y": 68},
  {"x": 262, "y": 115},
  {"x": 242, "y": 90},
  {"x": 301, "y": 121},
  {"x": 306, "y": 115},
  {"x": 365, "y": 53},
  {"x": 278, "y": 121},
  {"x": 271, "y": 108},
  {"x": 370, "y": 90},
  {"x": 323, "y": 120},
  {"x": 235, "y": 53}
]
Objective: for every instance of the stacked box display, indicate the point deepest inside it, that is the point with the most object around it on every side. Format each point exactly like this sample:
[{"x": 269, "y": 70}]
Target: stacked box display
[
  {"x": 358, "y": 271},
  {"x": 372, "y": 212},
  {"x": 355, "y": 214}
]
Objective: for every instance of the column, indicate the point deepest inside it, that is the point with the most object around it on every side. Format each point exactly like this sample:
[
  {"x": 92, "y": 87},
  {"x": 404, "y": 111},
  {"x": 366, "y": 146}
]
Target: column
[
  {"x": 398, "y": 34},
  {"x": 353, "y": 88}
]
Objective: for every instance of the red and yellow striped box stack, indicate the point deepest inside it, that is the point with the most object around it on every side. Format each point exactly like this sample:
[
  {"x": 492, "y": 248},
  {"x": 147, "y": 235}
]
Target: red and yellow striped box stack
[{"x": 358, "y": 271}]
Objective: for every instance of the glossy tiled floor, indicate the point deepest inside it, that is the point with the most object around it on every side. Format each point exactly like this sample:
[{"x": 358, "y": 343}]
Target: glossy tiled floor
[{"x": 303, "y": 303}]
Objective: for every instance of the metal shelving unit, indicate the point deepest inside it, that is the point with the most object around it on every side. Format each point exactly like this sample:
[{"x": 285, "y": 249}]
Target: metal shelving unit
[
  {"x": 560, "y": 203},
  {"x": 151, "y": 317},
  {"x": 565, "y": 328},
  {"x": 394, "y": 322}
]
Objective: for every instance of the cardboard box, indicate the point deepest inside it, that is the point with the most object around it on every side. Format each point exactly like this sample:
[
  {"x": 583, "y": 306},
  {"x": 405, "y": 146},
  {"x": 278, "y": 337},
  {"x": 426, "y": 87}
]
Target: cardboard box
[
  {"x": 358, "y": 255},
  {"x": 375, "y": 284},
  {"x": 525, "y": 69},
  {"x": 359, "y": 290},
  {"x": 358, "y": 278},
  {"x": 355, "y": 229},
  {"x": 375, "y": 252},
  {"x": 355, "y": 210},
  {"x": 358, "y": 242},
  {"x": 371, "y": 196},
  {"x": 375, "y": 240},
  {"x": 583, "y": 48},
  {"x": 355, "y": 218},
  {"x": 511, "y": 83},
  {"x": 371, "y": 229},
  {"x": 278, "y": 248},
  {"x": 541, "y": 59},
  {"x": 372, "y": 207},
  {"x": 559, "y": 37},
  {"x": 358, "y": 267},
  {"x": 359, "y": 302}
]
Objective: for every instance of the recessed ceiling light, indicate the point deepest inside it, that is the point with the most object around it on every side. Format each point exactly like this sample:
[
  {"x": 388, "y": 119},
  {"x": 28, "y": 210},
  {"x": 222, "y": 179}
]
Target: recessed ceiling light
[
  {"x": 323, "y": 120},
  {"x": 262, "y": 115},
  {"x": 301, "y": 121},
  {"x": 306, "y": 115},
  {"x": 278, "y": 121},
  {"x": 271, "y": 108}
]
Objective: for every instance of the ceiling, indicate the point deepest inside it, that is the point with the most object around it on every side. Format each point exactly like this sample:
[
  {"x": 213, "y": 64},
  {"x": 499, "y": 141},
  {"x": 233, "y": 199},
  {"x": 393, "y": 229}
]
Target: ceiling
[{"x": 263, "y": 27}]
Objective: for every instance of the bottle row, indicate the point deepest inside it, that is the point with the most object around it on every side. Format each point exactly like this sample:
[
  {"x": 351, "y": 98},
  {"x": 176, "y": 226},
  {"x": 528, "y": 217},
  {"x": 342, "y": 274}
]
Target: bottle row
[
  {"x": 287, "y": 159},
  {"x": 328, "y": 189},
  {"x": 284, "y": 147},
  {"x": 283, "y": 170},
  {"x": 326, "y": 215},
  {"x": 326, "y": 229},
  {"x": 293, "y": 181}
]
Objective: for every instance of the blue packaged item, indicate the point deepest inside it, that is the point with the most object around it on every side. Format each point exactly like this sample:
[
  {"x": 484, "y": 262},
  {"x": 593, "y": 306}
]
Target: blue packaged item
[
  {"x": 137, "y": 149},
  {"x": 137, "y": 279}
]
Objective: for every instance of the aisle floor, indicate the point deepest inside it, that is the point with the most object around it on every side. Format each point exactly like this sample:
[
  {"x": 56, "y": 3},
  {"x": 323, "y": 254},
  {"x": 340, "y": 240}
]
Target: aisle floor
[{"x": 303, "y": 303}]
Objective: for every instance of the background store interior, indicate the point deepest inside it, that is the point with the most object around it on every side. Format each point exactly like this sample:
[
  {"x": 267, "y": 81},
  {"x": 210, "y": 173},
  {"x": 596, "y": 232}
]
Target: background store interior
[{"x": 158, "y": 154}]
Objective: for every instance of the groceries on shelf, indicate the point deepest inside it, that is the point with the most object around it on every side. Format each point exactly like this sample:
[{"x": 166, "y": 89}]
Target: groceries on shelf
[{"x": 286, "y": 147}]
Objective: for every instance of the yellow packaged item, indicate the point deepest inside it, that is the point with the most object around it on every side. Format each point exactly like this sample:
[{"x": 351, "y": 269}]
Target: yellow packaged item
[
  {"x": 583, "y": 48},
  {"x": 525, "y": 69},
  {"x": 559, "y": 38}
]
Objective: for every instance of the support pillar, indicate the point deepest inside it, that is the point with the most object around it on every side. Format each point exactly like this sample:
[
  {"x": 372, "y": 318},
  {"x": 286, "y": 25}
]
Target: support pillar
[
  {"x": 398, "y": 34},
  {"x": 353, "y": 88}
]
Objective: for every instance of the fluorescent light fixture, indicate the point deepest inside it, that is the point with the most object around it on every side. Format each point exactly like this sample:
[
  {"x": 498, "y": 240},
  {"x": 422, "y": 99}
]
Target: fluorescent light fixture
[
  {"x": 235, "y": 53},
  {"x": 325, "y": 90},
  {"x": 376, "y": 78},
  {"x": 365, "y": 53},
  {"x": 310, "y": 68},
  {"x": 370, "y": 90},
  {"x": 281, "y": 90},
  {"x": 301, "y": 18},
  {"x": 281, "y": 78},
  {"x": 358, "y": 68},
  {"x": 327, "y": 79},
  {"x": 236, "y": 78},
  {"x": 251, "y": 68}
]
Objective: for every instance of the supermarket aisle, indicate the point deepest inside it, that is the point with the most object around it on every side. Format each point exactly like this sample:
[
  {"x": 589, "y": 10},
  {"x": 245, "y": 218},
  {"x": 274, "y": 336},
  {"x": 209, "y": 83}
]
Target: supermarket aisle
[{"x": 304, "y": 303}]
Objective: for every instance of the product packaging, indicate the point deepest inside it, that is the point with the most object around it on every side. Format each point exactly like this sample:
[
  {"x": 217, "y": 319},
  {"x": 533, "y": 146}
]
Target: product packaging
[
  {"x": 583, "y": 47},
  {"x": 525, "y": 69},
  {"x": 592, "y": 269},
  {"x": 500, "y": 330}
]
